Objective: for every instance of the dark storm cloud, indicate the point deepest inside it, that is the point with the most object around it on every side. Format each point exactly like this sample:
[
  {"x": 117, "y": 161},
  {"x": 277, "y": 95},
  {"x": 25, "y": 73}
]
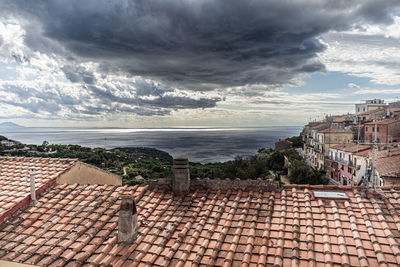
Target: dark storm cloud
[
  {"x": 78, "y": 74},
  {"x": 94, "y": 101},
  {"x": 162, "y": 101},
  {"x": 22, "y": 94},
  {"x": 197, "y": 45}
]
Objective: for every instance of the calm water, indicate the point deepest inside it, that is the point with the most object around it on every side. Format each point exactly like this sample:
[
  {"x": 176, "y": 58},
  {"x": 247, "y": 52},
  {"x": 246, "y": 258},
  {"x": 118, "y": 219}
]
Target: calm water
[{"x": 199, "y": 145}]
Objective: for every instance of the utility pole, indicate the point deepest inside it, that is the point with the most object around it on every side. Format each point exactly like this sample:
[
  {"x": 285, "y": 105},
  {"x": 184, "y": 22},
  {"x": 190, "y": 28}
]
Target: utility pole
[{"x": 374, "y": 160}]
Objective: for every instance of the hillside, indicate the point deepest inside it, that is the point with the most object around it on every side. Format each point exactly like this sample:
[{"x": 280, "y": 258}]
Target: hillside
[{"x": 9, "y": 124}]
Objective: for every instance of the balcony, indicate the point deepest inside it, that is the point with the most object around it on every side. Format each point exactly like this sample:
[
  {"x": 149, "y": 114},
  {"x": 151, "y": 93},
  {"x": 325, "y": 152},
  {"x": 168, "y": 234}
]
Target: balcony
[{"x": 341, "y": 161}]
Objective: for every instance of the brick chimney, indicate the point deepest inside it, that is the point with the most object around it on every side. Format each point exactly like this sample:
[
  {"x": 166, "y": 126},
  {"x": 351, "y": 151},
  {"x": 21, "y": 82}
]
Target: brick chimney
[
  {"x": 127, "y": 220},
  {"x": 181, "y": 179}
]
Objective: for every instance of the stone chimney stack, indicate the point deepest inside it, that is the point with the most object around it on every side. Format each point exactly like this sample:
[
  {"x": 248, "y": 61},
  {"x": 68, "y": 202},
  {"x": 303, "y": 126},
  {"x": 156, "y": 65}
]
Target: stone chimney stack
[
  {"x": 181, "y": 179},
  {"x": 127, "y": 220},
  {"x": 32, "y": 181}
]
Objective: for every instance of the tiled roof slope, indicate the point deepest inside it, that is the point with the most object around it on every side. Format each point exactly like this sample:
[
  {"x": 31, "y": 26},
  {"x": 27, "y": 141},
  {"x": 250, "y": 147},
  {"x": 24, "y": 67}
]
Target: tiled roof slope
[
  {"x": 15, "y": 181},
  {"x": 77, "y": 225},
  {"x": 388, "y": 164},
  {"x": 351, "y": 147}
]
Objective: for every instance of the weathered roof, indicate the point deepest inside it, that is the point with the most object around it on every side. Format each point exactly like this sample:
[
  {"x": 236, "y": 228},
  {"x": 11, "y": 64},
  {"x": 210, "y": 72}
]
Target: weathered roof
[
  {"x": 351, "y": 147},
  {"x": 388, "y": 164},
  {"x": 378, "y": 110},
  {"x": 320, "y": 126},
  {"x": 336, "y": 130},
  {"x": 343, "y": 118},
  {"x": 387, "y": 121},
  {"x": 76, "y": 225},
  {"x": 15, "y": 181}
]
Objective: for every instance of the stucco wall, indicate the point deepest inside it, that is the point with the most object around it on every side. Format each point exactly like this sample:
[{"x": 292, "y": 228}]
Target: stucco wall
[
  {"x": 82, "y": 173},
  {"x": 394, "y": 132},
  {"x": 391, "y": 181}
]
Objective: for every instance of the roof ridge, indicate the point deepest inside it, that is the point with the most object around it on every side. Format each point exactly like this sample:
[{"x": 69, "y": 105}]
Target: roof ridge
[
  {"x": 266, "y": 234},
  {"x": 193, "y": 239},
  {"x": 371, "y": 232},
  {"x": 225, "y": 229},
  {"x": 310, "y": 228},
  {"x": 200, "y": 253},
  {"x": 296, "y": 233},
  {"x": 234, "y": 244},
  {"x": 361, "y": 253},
  {"x": 252, "y": 233},
  {"x": 325, "y": 233},
  {"x": 344, "y": 254}
]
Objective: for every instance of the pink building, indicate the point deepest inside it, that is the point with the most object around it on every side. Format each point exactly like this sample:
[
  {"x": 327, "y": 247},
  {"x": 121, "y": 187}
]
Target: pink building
[{"x": 342, "y": 163}]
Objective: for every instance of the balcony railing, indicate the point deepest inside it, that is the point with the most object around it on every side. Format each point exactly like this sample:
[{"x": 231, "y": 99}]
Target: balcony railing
[{"x": 341, "y": 161}]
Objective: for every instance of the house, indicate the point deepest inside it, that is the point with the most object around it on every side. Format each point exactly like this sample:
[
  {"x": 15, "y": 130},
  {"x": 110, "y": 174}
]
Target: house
[
  {"x": 343, "y": 164},
  {"x": 283, "y": 144},
  {"x": 206, "y": 222},
  {"x": 7, "y": 143},
  {"x": 393, "y": 112},
  {"x": 327, "y": 138},
  {"x": 15, "y": 174},
  {"x": 388, "y": 166},
  {"x": 341, "y": 121},
  {"x": 370, "y": 105},
  {"x": 372, "y": 115},
  {"x": 387, "y": 131},
  {"x": 309, "y": 136}
]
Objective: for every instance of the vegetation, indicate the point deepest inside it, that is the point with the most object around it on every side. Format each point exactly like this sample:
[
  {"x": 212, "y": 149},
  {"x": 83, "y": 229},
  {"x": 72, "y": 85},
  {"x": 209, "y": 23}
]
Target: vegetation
[
  {"x": 301, "y": 173},
  {"x": 143, "y": 161},
  {"x": 139, "y": 164},
  {"x": 296, "y": 140}
]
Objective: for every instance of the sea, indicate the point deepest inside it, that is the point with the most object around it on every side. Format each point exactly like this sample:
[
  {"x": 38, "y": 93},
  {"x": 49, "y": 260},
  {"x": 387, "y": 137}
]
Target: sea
[{"x": 203, "y": 145}]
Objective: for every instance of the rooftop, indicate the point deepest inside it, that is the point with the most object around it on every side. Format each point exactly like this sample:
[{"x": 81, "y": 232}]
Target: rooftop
[
  {"x": 378, "y": 110},
  {"x": 343, "y": 118},
  {"x": 15, "y": 181},
  {"x": 77, "y": 225},
  {"x": 335, "y": 130},
  {"x": 351, "y": 147},
  {"x": 388, "y": 164},
  {"x": 387, "y": 121}
]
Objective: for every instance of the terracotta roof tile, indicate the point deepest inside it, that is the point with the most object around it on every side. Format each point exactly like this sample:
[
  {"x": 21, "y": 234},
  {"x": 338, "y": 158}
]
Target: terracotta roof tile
[
  {"x": 15, "y": 181},
  {"x": 387, "y": 121},
  {"x": 221, "y": 228}
]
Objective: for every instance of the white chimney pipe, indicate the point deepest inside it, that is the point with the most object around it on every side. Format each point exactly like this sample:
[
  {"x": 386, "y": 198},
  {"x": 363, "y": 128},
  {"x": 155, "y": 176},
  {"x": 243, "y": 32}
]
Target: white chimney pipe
[{"x": 32, "y": 180}]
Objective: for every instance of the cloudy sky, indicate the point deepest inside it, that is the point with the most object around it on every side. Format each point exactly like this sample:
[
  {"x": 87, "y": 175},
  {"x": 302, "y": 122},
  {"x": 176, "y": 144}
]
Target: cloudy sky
[{"x": 163, "y": 63}]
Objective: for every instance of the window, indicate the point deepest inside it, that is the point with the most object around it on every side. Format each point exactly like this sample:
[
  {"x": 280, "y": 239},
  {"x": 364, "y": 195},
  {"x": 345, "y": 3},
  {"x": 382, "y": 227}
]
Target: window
[
  {"x": 377, "y": 129},
  {"x": 366, "y": 129},
  {"x": 363, "y": 109}
]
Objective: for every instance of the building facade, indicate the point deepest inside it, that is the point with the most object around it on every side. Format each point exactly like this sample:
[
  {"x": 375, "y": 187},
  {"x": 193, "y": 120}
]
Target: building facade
[
  {"x": 344, "y": 163},
  {"x": 387, "y": 131},
  {"x": 370, "y": 105},
  {"x": 326, "y": 139}
]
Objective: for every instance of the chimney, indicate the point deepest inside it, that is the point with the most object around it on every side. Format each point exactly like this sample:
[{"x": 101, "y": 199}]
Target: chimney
[
  {"x": 32, "y": 181},
  {"x": 181, "y": 179},
  {"x": 127, "y": 220}
]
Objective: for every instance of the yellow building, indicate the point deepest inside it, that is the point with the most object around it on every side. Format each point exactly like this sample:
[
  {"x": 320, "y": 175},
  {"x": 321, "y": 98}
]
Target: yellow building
[{"x": 327, "y": 138}]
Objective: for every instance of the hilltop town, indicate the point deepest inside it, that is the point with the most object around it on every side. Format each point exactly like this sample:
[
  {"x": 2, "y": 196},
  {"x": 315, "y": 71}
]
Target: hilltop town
[{"x": 357, "y": 149}]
